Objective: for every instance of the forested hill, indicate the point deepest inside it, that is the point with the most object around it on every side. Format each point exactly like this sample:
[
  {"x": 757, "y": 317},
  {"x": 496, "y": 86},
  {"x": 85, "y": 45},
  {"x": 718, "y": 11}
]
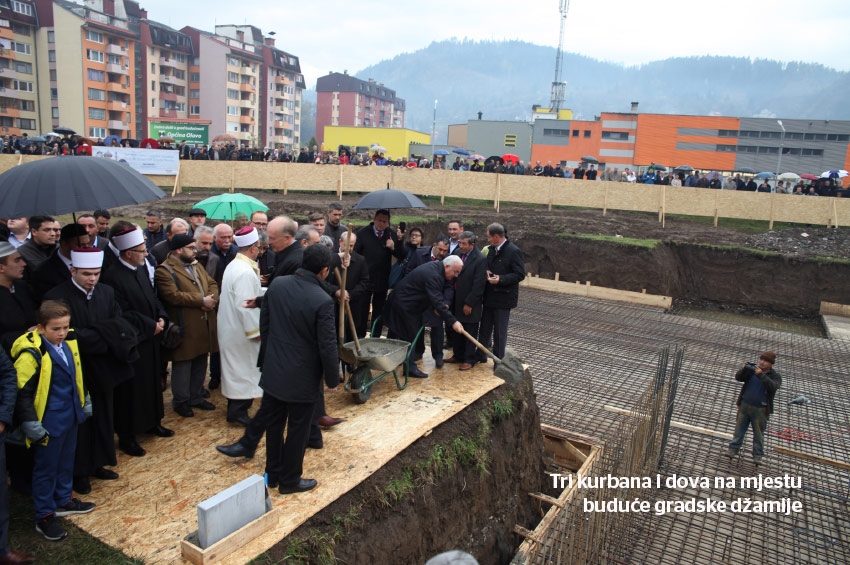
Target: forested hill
[{"x": 504, "y": 79}]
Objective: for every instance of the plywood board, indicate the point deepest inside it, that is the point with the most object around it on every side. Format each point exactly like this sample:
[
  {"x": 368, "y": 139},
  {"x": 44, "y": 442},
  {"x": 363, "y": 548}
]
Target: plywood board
[
  {"x": 599, "y": 292},
  {"x": 151, "y": 507}
]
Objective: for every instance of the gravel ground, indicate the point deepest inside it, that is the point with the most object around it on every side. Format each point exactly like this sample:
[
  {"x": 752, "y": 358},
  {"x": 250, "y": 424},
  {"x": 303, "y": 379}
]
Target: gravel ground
[{"x": 804, "y": 242}]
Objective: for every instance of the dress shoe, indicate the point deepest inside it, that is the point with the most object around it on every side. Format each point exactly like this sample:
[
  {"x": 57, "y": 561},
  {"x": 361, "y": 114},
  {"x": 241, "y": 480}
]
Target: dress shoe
[
  {"x": 416, "y": 373},
  {"x": 161, "y": 431},
  {"x": 329, "y": 421},
  {"x": 242, "y": 420},
  {"x": 104, "y": 474},
  {"x": 465, "y": 366},
  {"x": 316, "y": 444},
  {"x": 82, "y": 485},
  {"x": 17, "y": 558},
  {"x": 452, "y": 359},
  {"x": 215, "y": 382},
  {"x": 131, "y": 447},
  {"x": 303, "y": 485},
  {"x": 205, "y": 393},
  {"x": 438, "y": 362},
  {"x": 236, "y": 450},
  {"x": 184, "y": 410},
  {"x": 204, "y": 405}
]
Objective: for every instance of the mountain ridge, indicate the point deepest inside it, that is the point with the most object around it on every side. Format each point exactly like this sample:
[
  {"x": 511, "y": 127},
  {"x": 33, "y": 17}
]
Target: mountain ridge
[{"x": 504, "y": 79}]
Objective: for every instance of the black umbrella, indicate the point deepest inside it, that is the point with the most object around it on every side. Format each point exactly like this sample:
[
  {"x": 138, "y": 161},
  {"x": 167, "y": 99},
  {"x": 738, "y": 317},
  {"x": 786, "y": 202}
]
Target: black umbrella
[
  {"x": 388, "y": 199},
  {"x": 495, "y": 158},
  {"x": 684, "y": 168},
  {"x": 64, "y": 130},
  {"x": 590, "y": 159},
  {"x": 746, "y": 170},
  {"x": 60, "y": 185}
]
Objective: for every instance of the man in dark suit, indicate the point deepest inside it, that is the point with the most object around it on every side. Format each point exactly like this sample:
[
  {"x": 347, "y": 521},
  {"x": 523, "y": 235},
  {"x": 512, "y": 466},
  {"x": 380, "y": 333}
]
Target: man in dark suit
[
  {"x": 378, "y": 244},
  {"x": 419, "y": 291},
  {"x": 297, "y": 326},
  {"x": 138, "y": 401},
  {"x": 505, "y": 270},
  {"x": 436, "y": 252},
  {"x": 88, "y": 221},
  {"x": 57, "y": 268},
  {"x": 468, "y": 299}
]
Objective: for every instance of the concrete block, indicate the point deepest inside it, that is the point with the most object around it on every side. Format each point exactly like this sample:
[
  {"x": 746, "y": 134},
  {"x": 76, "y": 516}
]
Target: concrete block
[{"x": 231, "y": 509}]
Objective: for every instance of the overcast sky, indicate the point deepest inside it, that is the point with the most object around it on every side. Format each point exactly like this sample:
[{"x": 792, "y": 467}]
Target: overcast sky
[{"x": 337, "y": 35}]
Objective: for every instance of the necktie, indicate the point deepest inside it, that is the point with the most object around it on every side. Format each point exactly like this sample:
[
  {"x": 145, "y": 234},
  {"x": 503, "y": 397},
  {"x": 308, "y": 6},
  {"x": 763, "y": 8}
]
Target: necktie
[
  {"x": 463, "y": 257},
  {"x": 61, "y": 351}
]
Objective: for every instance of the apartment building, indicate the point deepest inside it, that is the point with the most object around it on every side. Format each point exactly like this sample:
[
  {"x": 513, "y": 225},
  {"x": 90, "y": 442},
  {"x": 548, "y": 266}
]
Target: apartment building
[
  {"x": 167, "y": 56},
  {"x": 344, "y": 100},
  {"x": 19, "y": 90},
  {"x": 282, "y": 85},
  {"x": 87, "y": 56}
]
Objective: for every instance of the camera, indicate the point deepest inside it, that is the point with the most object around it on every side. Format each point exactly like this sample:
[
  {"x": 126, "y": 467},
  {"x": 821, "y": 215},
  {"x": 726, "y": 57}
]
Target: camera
[{"x": 402, "y": 226}]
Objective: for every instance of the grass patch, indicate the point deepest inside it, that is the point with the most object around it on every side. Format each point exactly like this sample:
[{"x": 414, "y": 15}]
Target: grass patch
[
  {"x": 737, "y": 224},
  {"x": 631, "y": 241}
]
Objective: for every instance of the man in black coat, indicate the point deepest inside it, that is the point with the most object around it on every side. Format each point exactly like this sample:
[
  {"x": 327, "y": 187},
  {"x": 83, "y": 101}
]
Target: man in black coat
[
  {"x": 297, "y": 326},
  {"x": 468, "y": 299},
  {"x": 95, "y": 317},
  {"x": 378, "y": 245},
  {"x": 15, "y": 302},
  {"x": 419, "y": 291},
  {"x": 138, "y": 400},
  {"x": 57, "y": 268},
  {"x": 437, "y": 252},
  {"x": 357, "y": 285},
  {"x": 505, "y": 270}
]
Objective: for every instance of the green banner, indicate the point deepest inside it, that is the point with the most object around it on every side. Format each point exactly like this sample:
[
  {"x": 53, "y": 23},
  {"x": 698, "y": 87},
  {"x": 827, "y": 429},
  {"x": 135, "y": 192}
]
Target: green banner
[{"x": 192, "y": 133}]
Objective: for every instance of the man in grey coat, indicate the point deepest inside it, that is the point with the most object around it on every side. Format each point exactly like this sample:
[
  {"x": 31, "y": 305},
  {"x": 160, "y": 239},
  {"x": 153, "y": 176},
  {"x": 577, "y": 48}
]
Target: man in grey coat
[{"x": 298, "y": 331}]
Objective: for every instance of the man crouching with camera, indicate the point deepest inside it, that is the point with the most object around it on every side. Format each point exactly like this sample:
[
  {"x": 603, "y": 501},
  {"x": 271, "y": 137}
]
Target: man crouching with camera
[{"x": 755, "y": 403}]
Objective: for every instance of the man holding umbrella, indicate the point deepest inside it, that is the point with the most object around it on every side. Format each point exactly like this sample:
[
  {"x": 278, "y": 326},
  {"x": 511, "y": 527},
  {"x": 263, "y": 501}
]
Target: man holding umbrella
[{"x": 378, "y": 245}]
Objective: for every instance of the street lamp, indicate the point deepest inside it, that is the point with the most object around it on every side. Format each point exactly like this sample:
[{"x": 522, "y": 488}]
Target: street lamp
[
  {"x": 781, "y": 146},
  {"x": 434, "y": 129}
]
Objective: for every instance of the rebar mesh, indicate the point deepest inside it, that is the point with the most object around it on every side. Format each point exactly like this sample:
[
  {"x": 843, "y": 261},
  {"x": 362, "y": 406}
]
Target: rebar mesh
[{"x": 586, "y": 353}]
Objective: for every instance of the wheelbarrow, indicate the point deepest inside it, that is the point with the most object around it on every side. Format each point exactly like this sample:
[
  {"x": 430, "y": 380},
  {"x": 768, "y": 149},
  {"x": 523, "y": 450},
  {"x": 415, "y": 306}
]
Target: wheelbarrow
[{"x": 375, "y": 354}]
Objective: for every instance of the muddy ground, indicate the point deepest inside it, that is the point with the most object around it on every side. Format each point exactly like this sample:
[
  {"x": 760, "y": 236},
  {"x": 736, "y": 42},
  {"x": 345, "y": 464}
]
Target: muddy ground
[{"x": 786, "y": 272}]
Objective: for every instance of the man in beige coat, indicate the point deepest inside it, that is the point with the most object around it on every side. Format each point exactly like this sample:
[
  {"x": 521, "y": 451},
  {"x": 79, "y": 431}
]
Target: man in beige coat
[{"x": 189, "y": 295}]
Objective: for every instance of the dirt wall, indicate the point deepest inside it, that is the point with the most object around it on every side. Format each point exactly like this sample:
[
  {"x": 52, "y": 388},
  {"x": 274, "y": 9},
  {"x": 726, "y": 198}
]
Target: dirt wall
[
  {"x": 694, "y": 272},
  {"x": 459, "y": 507}
]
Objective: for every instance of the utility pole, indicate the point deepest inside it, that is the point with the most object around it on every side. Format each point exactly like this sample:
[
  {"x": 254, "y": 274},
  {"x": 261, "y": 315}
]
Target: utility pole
[
  {"x": 434, "y": 131},
  {"x": 559, "y": 88}
]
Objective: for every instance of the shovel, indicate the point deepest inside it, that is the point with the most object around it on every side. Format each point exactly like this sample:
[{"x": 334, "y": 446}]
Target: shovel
[{"x": 509, "y": 369}]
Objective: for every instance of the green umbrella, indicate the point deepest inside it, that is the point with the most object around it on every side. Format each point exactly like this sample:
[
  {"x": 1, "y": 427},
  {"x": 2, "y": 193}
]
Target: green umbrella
[{"x": 226, "y": 206}]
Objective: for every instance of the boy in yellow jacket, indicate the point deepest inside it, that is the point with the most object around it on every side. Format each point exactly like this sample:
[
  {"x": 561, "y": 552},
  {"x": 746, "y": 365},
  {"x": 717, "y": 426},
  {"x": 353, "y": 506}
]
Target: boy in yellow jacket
[{"x": 51, "y": 404}]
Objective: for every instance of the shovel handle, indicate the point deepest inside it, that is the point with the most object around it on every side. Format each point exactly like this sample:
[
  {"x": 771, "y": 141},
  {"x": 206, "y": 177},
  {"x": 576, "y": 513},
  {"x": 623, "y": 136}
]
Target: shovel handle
[
  {"x": 479, "y": 346},
  {"x": 352, "y": 326}
]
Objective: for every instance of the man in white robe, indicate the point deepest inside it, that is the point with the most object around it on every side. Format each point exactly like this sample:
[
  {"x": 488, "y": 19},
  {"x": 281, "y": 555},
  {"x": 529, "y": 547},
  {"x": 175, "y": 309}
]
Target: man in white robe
[{"x": 239, "y": 328}]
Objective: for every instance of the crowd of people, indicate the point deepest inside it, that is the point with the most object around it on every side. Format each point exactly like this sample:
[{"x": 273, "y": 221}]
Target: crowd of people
[{"x": 95, "y": 311}]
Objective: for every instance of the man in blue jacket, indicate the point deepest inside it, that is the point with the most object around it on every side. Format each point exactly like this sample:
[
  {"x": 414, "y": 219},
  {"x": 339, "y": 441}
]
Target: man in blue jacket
[{"x": 755, "y": 403}]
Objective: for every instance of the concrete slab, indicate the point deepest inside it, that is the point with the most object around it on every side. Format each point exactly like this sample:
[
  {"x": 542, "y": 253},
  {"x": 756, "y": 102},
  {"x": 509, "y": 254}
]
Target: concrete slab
[
  {"x": 222, "y": 514},
  {"x": 837, "y": 327}
]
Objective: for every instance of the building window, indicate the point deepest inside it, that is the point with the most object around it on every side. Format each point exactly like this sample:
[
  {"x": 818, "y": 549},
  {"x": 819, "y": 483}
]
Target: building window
[
  {"x": 22, "y": 67},
  {"x": 727, "y": 133},
  {"x": 22, "y": 85},
  {"x": 510, "y": 140},
  {"x": 194, "y": 77},
  {"x": 97, "y": 132},
  {"x": 153, "y": 86},
  {"x": 837, "y": 137},
  {"x": 794, "y": 135},
  {"x": 25, "y": 123},
  {"x": 51, "y": 56},
  {"x": 54, "y": 93},
  {"x": 233, "y": 94},
  {"x": 180, "y": 57},
  {"x": 96, "y": 56},
  {"x": 21, "y": 8},
  {"x": 768, "y": 151},
  {"x": 114, "y": 59},
  {"x": 54, "y": 113},
  {"x": 587, "y": 133},
  {"x": 726, "y": 148},
  {"x": 748, "y": 133},
  {"x": 233, "y": 61},
  {"x": 153, "y": 103},
  {"x": 95, "y": 75},
  {"x": 556, "y": 132},
  {"x": 94, "y": 36},
  {"x": 812, "y": 152},
  {"x": 232, "y": 77},
  {"x": 233, "y": 110},
  {"x": 194, "y": 94},
  {"x": 95, "y": 94},
  {"x": 790, "y": 150},
  {"x": 28, "y": 105},
  {"x": 97, "y": 113},
  {"x": 815, "y": 137},
  {"x": 576, "y": 133},
  {"x": 747, "y": 149},
  {"x": 615, "y": 135},
  {"x": 51, "y": 37},
  {"x": 178, "y": 74},
  {"x": 195, "y": 110},
  {"x": 22, "y": 48},
  {"x": 769, "y": 134},
  {"x": 20, "y": 29}
]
